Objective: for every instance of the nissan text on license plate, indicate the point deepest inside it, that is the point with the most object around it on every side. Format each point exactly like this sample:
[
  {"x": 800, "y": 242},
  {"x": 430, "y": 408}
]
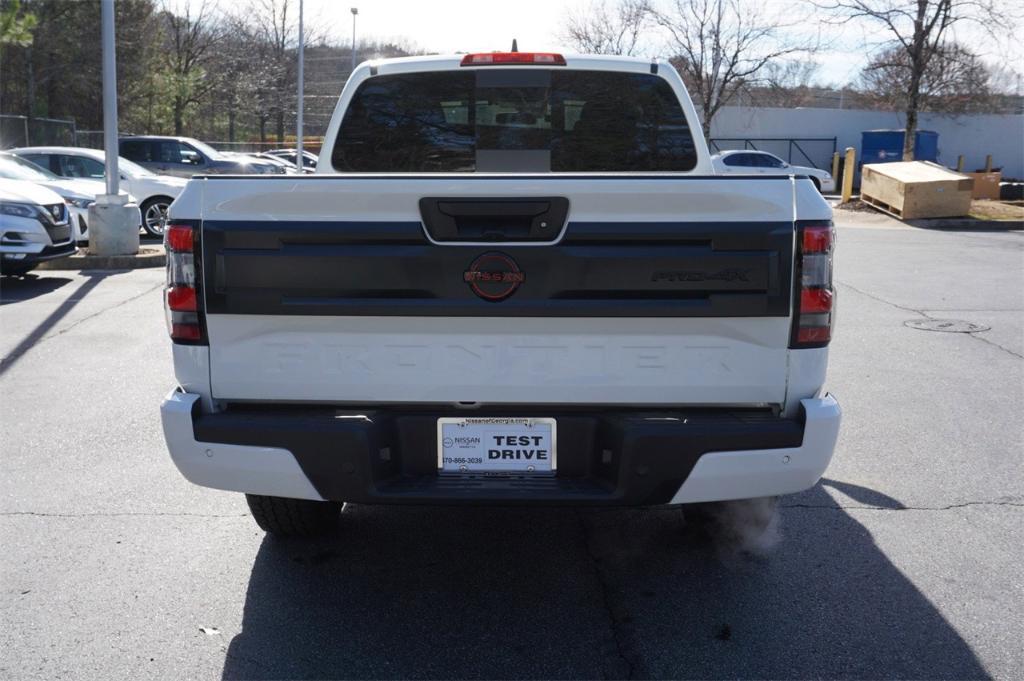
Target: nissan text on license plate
[{"x": 496, "y": 446}]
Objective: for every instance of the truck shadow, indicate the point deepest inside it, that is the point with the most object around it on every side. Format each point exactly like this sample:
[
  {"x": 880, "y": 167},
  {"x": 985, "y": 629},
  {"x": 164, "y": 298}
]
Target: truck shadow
[
  {"x": 450, "y": 592},
  {"x": 30, "y": 286}
]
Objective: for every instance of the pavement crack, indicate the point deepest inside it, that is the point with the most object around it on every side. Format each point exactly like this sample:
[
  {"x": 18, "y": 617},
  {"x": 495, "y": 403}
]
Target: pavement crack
[
  {"x": 614, "y": 622},
  {"x": 883, "y": 300},
  {"x": 926, "y": 315},
  {"x": 39, "y": 335},
  {"x": 97, "y": 313},
  {"x": 126, "y": 514},
  {"x": 995, "y": 345},
  {"x": 866, "y": 507}
]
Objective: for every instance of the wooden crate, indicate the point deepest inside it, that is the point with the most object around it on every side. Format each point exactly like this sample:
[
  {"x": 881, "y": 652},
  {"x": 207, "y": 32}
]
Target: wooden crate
[
  {"x": 916, "y": 189},
  {"x": 986, "y": 185}
]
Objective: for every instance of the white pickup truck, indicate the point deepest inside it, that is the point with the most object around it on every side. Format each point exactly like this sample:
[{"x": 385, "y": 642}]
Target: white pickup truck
[{"x": 513, "y": 279}]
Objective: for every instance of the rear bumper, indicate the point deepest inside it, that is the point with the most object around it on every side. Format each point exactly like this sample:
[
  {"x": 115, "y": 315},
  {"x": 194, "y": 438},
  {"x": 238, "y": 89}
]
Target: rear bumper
[{"x": 605, "y": 457}]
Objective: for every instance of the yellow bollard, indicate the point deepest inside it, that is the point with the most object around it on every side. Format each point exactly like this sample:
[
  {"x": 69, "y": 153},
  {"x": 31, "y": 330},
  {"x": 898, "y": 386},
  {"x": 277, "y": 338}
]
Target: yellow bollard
[
  {"x": 960, "y": 163},
  {"x": 835, "y": 166},
  {"x": 848, "y": 170},
  {"x": 988, "y": 163}
]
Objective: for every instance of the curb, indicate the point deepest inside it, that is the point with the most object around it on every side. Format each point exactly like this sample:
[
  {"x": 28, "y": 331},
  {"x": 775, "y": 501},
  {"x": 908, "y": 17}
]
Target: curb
[
  {"x": 148, "y": 256},
  {"x": 967, "y": 223}
]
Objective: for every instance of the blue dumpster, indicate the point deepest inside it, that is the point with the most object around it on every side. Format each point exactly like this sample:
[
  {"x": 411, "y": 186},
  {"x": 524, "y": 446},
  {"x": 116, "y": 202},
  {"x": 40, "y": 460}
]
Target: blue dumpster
[{"x": 885, "y": 146}]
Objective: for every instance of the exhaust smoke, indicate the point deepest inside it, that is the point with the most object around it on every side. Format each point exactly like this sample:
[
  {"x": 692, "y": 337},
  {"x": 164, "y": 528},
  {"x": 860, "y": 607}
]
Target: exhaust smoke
[{"x": 741, "y": 526}]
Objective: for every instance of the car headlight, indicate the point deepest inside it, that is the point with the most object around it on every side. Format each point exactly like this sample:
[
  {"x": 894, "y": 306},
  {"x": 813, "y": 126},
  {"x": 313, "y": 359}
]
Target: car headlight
[
  {"x": 80, "y": 203},
  {"x": 21, "y": 210}
]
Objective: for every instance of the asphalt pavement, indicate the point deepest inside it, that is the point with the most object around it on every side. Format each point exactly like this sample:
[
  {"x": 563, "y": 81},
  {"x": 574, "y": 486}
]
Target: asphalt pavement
[{"x": 905, "y": 561}]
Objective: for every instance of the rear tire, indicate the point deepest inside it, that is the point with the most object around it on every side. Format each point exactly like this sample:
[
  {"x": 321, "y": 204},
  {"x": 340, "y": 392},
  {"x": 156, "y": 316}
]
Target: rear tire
[{"x": 283, "y": 517}]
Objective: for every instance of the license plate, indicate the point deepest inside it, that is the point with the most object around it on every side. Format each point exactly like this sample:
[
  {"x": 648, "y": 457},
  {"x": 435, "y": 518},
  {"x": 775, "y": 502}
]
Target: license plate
[{"x": 496, "y": 446}]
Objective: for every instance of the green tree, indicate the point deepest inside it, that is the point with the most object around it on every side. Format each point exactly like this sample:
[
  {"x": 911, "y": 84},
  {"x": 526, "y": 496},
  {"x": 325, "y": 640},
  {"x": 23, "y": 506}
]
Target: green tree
[
  {"x": 191, "y": 36},
  {"x": 16, "y": 26}
]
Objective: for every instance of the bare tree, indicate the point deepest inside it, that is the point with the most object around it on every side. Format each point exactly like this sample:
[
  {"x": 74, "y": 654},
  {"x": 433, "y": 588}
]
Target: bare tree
[
  {"x": 787, "y": 83},
  {"x": 956, "y": 81},
  {"x": 192, "y": 35},
  {"x": 920, "y": 29},
  {"x": 598, "y": 29},
  {"x": 721, "y": 46},
  {"x": 273, "y": 29}
]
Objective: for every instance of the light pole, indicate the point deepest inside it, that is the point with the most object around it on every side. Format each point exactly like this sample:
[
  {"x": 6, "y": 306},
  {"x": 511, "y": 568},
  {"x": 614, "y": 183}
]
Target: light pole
[
  {"x": 113, "y": 221},
  {"x": 298, "y": 114},
  {"x": 355, "y": 11},
  {"x": 109, "y": 96}
]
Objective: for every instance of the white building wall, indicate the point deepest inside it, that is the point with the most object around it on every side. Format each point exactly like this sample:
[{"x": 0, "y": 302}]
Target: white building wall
[{"x": 974, "y": 136}]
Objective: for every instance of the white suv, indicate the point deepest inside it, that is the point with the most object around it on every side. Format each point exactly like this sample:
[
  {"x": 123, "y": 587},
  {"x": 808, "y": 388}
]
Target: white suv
[
  {"x": 153, "y": 192},
  {"x": 34, "y": 226}
]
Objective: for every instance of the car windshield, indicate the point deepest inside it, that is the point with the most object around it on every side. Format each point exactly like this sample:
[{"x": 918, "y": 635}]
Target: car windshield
[
  {"x": 206, "y": 149},
  {"x": 14, "y": 168},
  {"x": 132, "y": 169}
]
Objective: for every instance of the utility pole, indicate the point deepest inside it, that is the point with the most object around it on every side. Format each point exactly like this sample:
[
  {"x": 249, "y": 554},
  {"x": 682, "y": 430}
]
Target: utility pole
[
  {"x": 355, "y": 11},
  {"x": 301, "y": 162},
  {"x": 113, "y": 221},
  {"x": 110, "y": 145}
]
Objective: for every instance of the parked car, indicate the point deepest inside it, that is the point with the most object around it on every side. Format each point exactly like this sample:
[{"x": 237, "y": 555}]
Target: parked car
[
  {"x": 35, "y": 225},
  {"x": 309, "y": 159},
  {"x": 280, "y": 159},
  {"x": 185, "y": 157},
  {"x": 78, "y": 194},
  {"x": 476, "y": 304},
  {"x": 747, "y": 162},
  {"x": 286, "y": 167},
  {"x": 154, "y": 193}
]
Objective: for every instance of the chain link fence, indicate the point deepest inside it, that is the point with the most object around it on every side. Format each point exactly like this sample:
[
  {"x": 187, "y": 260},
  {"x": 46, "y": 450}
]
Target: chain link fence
[
  {"x": 93, "y": 139},
  {"x": 22, "y": 131},
  {"x": 801, "y": 151},
  {"x": 250, "y": 147}
]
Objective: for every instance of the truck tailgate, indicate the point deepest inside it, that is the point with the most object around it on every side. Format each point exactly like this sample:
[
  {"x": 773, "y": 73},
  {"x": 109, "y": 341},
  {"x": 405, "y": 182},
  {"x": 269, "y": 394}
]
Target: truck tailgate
[{"x": 655, "y": 290}]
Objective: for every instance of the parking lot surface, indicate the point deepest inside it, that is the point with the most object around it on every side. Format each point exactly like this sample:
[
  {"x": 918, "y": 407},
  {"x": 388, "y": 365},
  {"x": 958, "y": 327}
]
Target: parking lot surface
[{"x": 905, "y": 561}]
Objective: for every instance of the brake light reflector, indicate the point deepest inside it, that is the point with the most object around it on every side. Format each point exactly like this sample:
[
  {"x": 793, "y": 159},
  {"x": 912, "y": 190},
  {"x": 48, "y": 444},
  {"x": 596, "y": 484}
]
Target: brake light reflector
[
  {"x": 815, "y": 300},
  {"x": 817, "y": 239},
  {"x": 181, "y": 298},
  {"x": 503, "y": 58},
  {"x": 182, "y": 303},
  {"x": 814, "y": 334},
  {"x": 179, "y": 238},
  {"x": 187, "y": 332},
  {"x": 814, "y": 313}
]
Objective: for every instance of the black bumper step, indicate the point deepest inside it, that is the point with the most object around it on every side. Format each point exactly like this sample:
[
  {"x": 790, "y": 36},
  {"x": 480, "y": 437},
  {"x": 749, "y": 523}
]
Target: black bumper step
[{"x": 604, "y": 457}]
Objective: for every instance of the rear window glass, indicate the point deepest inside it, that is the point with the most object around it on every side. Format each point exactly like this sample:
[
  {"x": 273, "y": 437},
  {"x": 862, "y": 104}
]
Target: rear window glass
[{"x": 514, "y": 120}]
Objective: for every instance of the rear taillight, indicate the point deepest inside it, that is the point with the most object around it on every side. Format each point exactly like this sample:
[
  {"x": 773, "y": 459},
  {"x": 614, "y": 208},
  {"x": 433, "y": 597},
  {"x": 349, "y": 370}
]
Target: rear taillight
[
  {"x": 518, "y": 58},
  {"x": 815, "y": 302},
  {"x": 182, "y": 302}
]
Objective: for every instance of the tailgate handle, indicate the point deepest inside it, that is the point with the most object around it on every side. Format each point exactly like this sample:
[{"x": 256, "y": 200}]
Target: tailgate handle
[{"x": 525, "y": 219}]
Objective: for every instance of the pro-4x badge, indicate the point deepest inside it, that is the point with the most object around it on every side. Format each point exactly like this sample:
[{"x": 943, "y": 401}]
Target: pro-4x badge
[{"x": 494, "y": 276}]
